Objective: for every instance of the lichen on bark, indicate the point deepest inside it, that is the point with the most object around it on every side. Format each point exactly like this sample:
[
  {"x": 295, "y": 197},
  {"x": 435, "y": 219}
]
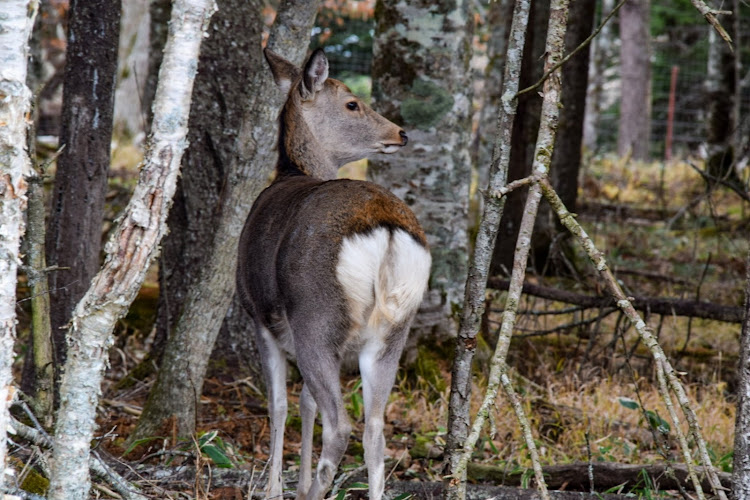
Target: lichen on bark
[{"x": 421, "y": 81}]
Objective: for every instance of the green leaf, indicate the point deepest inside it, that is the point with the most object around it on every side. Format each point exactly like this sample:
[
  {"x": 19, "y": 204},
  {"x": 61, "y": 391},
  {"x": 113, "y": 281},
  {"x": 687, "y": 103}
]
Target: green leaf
[
  {"x": 658, "y": 423},
  {"x": 217, "y": 456},
  {"x": 629, "y": 403},
  {"x": 138, "y": 442},
  {"x": 357, "y": 487}
]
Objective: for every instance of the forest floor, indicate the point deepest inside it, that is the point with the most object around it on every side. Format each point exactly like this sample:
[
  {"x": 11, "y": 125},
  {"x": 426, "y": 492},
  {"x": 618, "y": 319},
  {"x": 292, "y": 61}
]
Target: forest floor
[{"x": 586, "y": 381}]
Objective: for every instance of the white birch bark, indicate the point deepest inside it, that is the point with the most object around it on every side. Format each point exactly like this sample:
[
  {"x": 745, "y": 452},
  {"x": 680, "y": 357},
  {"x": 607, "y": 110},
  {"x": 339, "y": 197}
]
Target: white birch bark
[
  {"x": 129, "y": 253},
  {"x": 16, "y": 22}
]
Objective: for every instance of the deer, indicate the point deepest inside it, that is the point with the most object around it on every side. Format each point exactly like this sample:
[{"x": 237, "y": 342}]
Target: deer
[{"x": 329, "y": 270}]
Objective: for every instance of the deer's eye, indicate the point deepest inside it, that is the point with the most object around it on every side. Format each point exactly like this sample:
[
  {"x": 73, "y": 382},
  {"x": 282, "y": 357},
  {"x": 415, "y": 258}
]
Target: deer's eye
[{"x": 352, "y": 106}]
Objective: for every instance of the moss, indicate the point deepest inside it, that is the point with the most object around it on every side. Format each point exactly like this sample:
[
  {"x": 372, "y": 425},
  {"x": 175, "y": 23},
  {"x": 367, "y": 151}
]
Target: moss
[
  {"x": 35, "y": 483},
  {"x": 427, "y": 367},
  {"x": 424, "y": 447},
  {"x": 426, "y": 104},
  {"x": 355, "y": 449}
]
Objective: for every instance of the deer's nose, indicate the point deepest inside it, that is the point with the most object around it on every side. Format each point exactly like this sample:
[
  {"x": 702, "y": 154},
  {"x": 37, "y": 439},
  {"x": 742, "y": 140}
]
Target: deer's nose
[{"x": 404, "y": 138}]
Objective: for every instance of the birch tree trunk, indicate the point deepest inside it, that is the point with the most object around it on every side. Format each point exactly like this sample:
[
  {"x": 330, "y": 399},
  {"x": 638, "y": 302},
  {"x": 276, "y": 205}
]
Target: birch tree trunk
[
  {"x": 249, "y": 164},
  {"x": 421, "y": 81},
  {"x": 129, "y": 253},
  {"x": 741, "y": 464},
  {"x": 16, "y": 23}
]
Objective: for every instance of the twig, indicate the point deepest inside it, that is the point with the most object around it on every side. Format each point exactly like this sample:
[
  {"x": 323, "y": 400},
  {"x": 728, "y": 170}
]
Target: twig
[
  {"x": 542, "y": 156},
  {"x": 574, "y": 52},
  {"x": 724, "y": 182},
  {"x": 710, "y": 15},
  {"x": 459, "y": 418}
]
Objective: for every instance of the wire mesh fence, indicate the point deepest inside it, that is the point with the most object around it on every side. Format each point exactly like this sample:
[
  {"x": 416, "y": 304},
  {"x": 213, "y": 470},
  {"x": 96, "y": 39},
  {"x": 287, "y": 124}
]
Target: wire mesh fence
[{"x": 676, "y": 48}]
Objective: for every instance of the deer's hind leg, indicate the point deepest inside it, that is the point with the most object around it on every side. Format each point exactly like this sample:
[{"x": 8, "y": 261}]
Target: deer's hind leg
[
  {"x": 320, "y": 371},
  {"x": 308, "y": 410},
  {"x": 378, "y": 364},
  {"x": 273, "y": 360}
]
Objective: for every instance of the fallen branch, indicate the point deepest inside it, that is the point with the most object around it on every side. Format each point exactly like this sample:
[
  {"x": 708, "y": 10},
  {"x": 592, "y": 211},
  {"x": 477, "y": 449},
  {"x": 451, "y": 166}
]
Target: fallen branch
[
  {"x": 653, "y": 305},
  {"x": 96, "y": 464},
  {"x": 607, "y": 475}
]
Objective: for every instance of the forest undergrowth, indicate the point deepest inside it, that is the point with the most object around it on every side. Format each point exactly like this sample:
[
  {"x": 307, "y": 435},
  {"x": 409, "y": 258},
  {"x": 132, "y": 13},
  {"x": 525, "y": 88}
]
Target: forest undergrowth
[{"x": 585, "y": 380}]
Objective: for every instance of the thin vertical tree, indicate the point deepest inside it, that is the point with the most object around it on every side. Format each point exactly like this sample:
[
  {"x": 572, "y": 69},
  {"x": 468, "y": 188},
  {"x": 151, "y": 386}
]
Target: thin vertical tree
[
  {"x": 15, "y": 103},
  {"x": 74, "y": 231}
]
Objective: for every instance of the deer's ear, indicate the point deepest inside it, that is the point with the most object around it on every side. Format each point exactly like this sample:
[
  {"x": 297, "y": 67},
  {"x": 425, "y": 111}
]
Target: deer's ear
[
  {"x": 314, "y": 74},
  {"x": 284, "y": 72}
]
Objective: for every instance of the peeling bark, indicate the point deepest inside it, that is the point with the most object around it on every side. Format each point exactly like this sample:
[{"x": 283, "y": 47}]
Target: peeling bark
[
  {"x": 129, "y": 253},
  {"x": 16, "y": 23}
]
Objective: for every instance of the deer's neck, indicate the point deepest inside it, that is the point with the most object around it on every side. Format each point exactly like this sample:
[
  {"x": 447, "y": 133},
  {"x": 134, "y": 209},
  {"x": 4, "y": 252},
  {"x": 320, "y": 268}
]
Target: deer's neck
[{"x": 299, "y": 150}]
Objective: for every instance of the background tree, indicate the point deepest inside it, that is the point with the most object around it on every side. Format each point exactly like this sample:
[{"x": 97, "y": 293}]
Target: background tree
[
  {"x": 499, "y": 16},
  {"x": 74, "y": 231},
  {"x": 525, "y": 129},
  {"x": 566, "y": 158},
  {"x": 421, "y": 82},
  {"x": 721, "y": 99},
  {"x": 635, "y": 74},
  {"x": 245, "y": 165}
]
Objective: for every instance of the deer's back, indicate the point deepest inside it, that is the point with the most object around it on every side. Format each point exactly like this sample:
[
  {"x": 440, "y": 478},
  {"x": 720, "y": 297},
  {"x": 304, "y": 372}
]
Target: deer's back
[{"x": 292, "y": 243}]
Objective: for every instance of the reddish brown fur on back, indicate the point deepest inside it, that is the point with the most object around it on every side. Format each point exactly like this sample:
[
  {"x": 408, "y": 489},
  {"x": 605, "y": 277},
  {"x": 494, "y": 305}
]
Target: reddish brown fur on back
[{"x": 383, "y": 209}]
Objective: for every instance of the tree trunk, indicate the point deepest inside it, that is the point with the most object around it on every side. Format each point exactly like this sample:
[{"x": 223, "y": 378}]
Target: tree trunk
[
  {"x": 523, "y": 139},
  {"x": 721, "y": 119},
  {"x": 129, "y": 253},
  {"x": 15, "y": 29},
  {"x": 421, "y": 82},
  {"x": 74, "y": 230},
  {"x": 741, "y": 464},
  {"x": 246, "y": 165},
  {"x": 635, "y": 80}
]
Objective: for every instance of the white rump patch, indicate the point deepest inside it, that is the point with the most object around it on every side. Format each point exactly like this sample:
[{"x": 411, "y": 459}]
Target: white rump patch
[{"x": 384, "y": 276}]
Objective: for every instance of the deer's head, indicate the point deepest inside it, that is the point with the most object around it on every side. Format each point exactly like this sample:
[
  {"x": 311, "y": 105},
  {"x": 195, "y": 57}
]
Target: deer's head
[{"x": 323, "y": 124}]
